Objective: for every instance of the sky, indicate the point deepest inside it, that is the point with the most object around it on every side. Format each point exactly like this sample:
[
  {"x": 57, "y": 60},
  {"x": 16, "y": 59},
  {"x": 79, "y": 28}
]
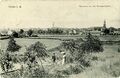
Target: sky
[{"x": 63, "y": 13}]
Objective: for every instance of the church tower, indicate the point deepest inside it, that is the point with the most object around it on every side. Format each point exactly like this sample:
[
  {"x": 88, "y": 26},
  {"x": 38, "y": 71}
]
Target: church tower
[{"x": 104, "y": 25}]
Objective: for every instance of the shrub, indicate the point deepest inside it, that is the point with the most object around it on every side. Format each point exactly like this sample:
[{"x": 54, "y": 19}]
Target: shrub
[
  {"x": 34, "y": 73},
  {"x": 66, "y": 72},
  {"x": 6, "y": 61},
  {"x": 74, "y": 47},
  {"x": 34, "y": 35},
  {"x": 38, "y": 48},
  {"x": 92, "y": 44},
  {"x": 12, "y": 46},
  {"x": 94, "y": 58},
  {"x": 58, "y": 74},
  {"x": 72, "y": 69},
  {"x": 75, "y": 69},
  {"x": 84, "y": 62}
]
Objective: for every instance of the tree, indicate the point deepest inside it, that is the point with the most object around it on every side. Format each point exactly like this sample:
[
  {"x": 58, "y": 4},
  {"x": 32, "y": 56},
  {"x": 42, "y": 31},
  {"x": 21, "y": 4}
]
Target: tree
[
  {"x": 106, "y": 31},
  {"x": 15, "y": 34},
  {"x": 6, "y": 57},
  {"x": 92, "y": 44},
  {"x": 12, "y": 46},
  {"x": 54, "y": 31},
  {"x": 74, "y": 47},
  {"x": 21, "y": 31},
  {"x": 38, "y": 49},
  {"x": 79, "y": 48},
  {"x": 30, "y": 32}
]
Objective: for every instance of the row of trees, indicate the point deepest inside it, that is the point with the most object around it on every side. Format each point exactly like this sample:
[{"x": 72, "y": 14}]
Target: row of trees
[
  {"x": 36, "y": 32},
  {"x": 22, "y": 33},
  {"x": 51, "y": 31}
]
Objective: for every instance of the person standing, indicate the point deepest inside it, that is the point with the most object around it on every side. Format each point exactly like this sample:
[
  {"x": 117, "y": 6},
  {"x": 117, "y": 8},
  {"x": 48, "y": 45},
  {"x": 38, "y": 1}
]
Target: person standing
[
  {"x": 54, "y": 58},
  {"x": 64, "y": 59}
]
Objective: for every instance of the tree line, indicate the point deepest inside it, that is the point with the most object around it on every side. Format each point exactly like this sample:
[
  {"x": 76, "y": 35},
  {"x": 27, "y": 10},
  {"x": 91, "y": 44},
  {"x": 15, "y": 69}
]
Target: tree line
[{"x": 48, "y": 31}]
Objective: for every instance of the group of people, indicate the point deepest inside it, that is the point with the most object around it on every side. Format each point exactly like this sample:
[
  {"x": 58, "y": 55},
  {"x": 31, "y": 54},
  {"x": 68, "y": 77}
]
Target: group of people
[{"x": 54, "y": 58}]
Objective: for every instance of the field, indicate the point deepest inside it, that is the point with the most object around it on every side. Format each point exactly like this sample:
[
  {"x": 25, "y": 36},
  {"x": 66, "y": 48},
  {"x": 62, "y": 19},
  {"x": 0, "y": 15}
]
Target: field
[
  {"x": 26, "y": 42},
  {"x": 104, "y": 65},
  {"x": 107, "y": 64}
]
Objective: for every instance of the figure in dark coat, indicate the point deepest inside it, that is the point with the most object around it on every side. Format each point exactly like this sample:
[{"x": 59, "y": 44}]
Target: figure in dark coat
[{"x": 54, "y": 58}]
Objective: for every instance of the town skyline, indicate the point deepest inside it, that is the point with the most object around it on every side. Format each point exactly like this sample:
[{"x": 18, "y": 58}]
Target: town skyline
[{"x": 54, "y": 25}]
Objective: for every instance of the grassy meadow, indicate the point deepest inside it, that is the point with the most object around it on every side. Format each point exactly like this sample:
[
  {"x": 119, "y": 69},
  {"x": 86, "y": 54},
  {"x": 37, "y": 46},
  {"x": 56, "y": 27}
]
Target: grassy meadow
[
  {"x": 49, "y": 43},
  {"x": 103, "y": 65}
]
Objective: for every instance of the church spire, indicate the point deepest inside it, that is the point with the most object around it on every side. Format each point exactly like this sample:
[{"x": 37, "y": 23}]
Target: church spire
[{"x": 104, "y": 25}]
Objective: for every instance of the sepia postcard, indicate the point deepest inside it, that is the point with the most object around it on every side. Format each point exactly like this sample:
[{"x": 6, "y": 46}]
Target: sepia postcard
[{"x": 59, "y": 38}]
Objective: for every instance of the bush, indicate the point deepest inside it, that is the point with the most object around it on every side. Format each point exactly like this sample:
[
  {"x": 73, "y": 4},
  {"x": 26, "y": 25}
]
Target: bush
[
  {"x": 34, "y": 73},
  {"x": 34, "y": 35},
  {"x": 6, "y": 61},
  {"x": 85, "y": 63},
  {"x": 17, "y": 58},
  {"x": 58, "y": 74},
  {"x": 72, "y": 69},
  {"x": 94, "y": 58},
  {"x": 12, "y": 46},
  {"x": 75, "y": 69},
  {"x": 38, "y": 48},
  {"x": 74, "y": 47},
  {"x": 92, "y": 44}
]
